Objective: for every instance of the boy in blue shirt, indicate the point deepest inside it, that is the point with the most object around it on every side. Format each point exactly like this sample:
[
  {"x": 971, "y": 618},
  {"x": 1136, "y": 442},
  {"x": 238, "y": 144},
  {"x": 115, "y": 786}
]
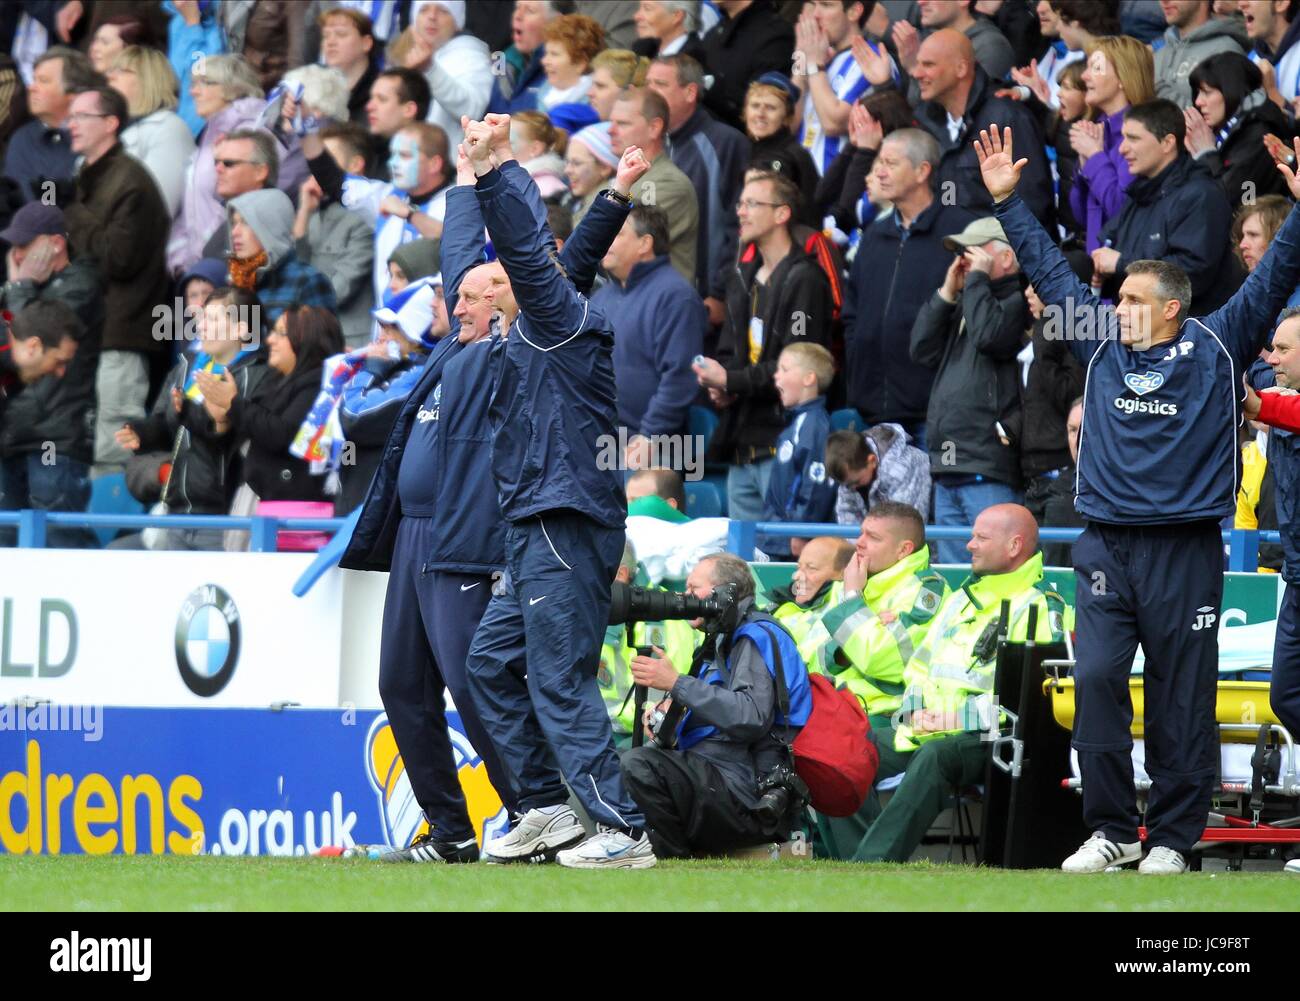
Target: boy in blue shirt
[{"x": 800, "y": 488}]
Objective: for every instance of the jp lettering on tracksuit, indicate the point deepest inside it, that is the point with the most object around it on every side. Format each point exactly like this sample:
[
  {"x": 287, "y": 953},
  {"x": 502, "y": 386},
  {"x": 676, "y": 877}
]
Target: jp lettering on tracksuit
[
  {"x": 1157, "y": 473},
  {"x": 442, "y": 536},
  {"x": 533, "y": 661}
]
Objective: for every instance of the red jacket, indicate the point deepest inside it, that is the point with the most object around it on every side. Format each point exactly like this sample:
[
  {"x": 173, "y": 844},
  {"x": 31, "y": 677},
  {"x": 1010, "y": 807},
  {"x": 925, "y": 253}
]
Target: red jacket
[{"x": 1280, "y": 411}]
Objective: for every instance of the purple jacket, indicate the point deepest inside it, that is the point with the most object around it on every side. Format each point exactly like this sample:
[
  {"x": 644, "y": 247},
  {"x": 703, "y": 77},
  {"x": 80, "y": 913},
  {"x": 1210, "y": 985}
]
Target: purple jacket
[{"x": 1098, "y": 191}]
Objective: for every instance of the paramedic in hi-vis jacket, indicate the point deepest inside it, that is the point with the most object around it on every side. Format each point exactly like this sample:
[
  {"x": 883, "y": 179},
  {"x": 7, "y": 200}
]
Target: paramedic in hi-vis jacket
[{"x": 1156, "y": 476}]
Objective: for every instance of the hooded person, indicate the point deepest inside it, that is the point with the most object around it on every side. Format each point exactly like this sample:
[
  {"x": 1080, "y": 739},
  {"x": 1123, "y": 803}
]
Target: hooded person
[
  {"x": 262, "y": 257},
  {"x": 412, "y": 261},
  {"x": 1187, "y": 47}
]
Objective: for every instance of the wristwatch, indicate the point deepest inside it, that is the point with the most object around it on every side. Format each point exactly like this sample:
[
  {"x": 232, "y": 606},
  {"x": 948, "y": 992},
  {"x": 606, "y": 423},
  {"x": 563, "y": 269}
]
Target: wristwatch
[{"x": 618, "y": 199}]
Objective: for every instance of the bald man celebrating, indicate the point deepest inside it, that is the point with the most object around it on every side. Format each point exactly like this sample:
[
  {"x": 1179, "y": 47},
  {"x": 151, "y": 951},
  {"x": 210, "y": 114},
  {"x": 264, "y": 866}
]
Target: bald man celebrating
[
  {"x": 957, "y": 101},
  {"x": 948, "y": 702}
]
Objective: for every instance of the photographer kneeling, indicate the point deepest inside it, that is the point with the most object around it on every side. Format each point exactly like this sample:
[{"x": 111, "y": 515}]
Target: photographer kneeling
[{"x": 718, "y": 775}]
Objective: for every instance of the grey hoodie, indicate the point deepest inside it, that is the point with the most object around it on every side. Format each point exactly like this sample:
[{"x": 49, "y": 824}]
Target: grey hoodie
[
  {"x": 902, "y": 474},
  {"x": 269, "y": 213},
  {"x": 1181, "y": 54}
]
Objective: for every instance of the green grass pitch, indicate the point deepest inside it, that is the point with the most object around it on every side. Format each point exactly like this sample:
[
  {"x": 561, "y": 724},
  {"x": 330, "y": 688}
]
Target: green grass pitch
[{"x": 112, "y": 883}]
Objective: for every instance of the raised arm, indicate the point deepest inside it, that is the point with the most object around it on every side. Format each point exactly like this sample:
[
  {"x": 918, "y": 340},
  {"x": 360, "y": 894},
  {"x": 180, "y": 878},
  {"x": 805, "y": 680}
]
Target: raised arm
[
  {"x": 462, "y": 232},
  {"x": 1040, "y": 258}
]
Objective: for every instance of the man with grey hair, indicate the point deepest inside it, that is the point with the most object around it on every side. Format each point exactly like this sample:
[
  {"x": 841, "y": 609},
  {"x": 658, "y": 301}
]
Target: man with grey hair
[
  {"x": 669, "y": 28},
  {"x": 901, "y": 260},
  {"x": 971, "y": 331},
  {"x": 700, "y": 781},
  {"x": 245, "y": 160}
]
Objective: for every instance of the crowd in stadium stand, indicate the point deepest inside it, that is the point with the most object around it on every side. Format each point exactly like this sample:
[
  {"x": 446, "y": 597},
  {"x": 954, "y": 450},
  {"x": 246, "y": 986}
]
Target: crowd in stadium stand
[{"x": 237, "y": 209}]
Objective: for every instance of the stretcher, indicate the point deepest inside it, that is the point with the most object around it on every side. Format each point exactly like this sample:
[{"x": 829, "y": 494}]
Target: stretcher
[{"x": 1256, "y": 806}]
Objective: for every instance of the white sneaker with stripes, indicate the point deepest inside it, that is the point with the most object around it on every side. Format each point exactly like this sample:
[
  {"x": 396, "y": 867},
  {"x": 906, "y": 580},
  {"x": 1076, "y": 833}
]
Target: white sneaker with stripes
[
  {"x": 1099, "y": 853},
  {"x": 1162, "y": 861},
  {"x": 537, "y": 836}
]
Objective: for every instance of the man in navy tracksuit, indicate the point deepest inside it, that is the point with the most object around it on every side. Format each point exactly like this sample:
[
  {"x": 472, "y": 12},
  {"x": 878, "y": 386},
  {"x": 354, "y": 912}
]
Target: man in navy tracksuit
[
  {"x": 552, "y": 413},
  {"x": 431, "y": 519},
  {"x": 1156, "y": 475}
]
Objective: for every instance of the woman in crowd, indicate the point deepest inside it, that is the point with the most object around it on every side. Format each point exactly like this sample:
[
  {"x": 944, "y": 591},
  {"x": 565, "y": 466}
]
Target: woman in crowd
[
  {"x": 539, "y": 147},
  {"x": 1226, "y": 129},
  {"x": 611, "y": 71},
  {"x": 156, "y": 136},
  {"x": 572, "y": 41},
  {"x": 268, "y": 418},
  {"x": 228, "y": 97},
  {"x": 1253, "y": 229},
  {"x": 203, "y": 465},
  {"x": 769, "y": 110},
  {"x": 1120, "y": 73},
  {"x": 589, "y": 164},
  {"x": 112, "y": 36}
]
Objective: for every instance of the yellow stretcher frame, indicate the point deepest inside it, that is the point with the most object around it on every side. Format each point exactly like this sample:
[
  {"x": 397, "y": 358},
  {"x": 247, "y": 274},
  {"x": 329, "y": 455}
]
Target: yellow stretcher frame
[{"x": 1238, "y": 702}]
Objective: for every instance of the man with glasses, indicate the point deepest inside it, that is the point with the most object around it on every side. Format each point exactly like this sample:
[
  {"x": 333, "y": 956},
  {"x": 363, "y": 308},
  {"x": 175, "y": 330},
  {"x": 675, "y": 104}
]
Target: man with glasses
[
  {"x": 778, "y": 296},
  {"x": 120, "y": 222}
]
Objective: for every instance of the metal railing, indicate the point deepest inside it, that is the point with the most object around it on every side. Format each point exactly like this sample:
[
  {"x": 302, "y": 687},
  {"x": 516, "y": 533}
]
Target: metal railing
[
  {"x": 33, "y": 526},
  {"x": 1243, "y": 551}
]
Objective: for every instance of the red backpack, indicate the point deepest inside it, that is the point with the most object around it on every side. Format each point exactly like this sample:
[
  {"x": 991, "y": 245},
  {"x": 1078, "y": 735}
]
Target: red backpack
[{"x": 834, "y": 753}]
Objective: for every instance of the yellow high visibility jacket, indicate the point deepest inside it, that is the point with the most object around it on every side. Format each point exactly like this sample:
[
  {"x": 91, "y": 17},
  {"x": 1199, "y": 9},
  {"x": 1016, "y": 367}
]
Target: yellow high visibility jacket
[
  {"x": 675, "y": 638},
  {"x": 858, "y": 651},
  {"x": 948, "y": 675}
]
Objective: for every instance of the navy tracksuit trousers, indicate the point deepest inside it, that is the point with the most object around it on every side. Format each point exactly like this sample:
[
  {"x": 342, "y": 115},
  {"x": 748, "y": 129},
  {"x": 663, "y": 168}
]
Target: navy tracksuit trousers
[
  {"x": 532, "y": 666},
  {"x": 1284, "y": 689},
  {"x": 429, "y": 621},
  {"x": 1162, "y": 586}
]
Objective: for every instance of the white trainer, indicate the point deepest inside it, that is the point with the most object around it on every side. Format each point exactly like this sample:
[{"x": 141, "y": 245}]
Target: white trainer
[
  {"x": 610, "y": 849},
  {"x": 1162, "y": 861},
  {"x": 1099, "y": 853},
  {"x": 537, "y": 836},
  {"x": 1292, "y": 866}
]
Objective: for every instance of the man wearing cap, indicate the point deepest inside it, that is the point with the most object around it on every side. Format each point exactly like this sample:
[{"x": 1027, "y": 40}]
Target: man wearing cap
[
  {"x": 971, "y": 330},
  {"x": 46, "y": 440},
  {"x": 640, "y": 118},
  {"x": 714, "y": 156}
]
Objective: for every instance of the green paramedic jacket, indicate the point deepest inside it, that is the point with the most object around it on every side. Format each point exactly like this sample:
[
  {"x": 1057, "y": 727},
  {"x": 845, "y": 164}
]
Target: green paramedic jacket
[
  {"x": 858, "y": 650},
  {"x": 946, "y": 675}
]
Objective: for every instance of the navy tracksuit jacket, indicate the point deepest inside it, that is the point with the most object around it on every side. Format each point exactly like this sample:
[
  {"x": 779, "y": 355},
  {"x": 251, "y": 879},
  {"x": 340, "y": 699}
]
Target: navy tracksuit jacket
[
  {"x": 1157, "y": 472},
  {"x": 532, "y": 663},
  {"x": 442, "y": 567}
]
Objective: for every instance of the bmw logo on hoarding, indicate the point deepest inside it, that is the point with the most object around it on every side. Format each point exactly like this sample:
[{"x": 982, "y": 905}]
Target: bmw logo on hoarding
[{"x": 207, "y": 640}]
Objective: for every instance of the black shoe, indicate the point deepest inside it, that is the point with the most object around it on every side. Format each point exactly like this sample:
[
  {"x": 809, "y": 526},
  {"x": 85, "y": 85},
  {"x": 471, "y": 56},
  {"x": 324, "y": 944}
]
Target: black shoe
[{"x": 427, "y": 848}]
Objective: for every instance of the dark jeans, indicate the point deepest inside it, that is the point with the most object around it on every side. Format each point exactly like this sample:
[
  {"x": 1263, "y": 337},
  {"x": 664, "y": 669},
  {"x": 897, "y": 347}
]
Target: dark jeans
[{"x": 62, "y": 484}]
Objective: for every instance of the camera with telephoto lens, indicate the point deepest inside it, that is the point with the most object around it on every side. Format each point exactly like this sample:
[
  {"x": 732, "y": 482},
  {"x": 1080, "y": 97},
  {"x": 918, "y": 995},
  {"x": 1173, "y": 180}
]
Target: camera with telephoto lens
[
  {"x": 643, "y": 604},
  {"x": 720, "y": 612},
  {"x": 776, "y": 789}
]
